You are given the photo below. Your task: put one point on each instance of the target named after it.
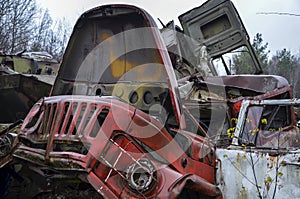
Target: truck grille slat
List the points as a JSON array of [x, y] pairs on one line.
[[63, 116]]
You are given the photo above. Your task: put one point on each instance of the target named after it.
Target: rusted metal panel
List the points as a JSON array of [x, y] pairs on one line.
[[21, 84], [18, 93], [258, 83], [218, 26], [135, 54], [112, 151], [251, 173], [262, 161]]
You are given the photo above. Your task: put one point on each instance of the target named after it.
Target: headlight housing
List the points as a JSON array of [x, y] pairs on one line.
[[141, 176]]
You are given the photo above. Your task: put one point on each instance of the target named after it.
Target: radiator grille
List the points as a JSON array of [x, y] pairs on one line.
[[69, 118]]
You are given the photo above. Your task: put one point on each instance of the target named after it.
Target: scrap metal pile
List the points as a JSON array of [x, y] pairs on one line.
[[25, 77], [141, 112]]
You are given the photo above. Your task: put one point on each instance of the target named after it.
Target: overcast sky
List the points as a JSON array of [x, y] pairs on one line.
[[280, 31]]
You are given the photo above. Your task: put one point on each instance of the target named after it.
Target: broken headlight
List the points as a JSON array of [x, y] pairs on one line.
[[141, 176]]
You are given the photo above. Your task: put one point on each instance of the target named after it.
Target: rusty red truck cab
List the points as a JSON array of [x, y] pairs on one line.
[[114, 125]]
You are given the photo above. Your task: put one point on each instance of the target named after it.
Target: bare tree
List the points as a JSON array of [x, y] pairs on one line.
[[41, 34], [17, 23], [24, 26], [58, 38], [51, 36], [5, 8]]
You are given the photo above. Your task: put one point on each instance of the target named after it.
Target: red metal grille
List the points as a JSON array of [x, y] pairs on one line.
[[72, 118]]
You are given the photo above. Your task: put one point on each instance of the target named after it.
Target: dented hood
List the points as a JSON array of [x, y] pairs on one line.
[[115, 44]]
